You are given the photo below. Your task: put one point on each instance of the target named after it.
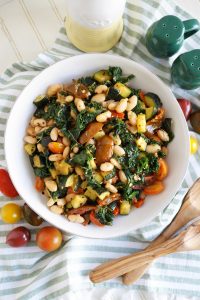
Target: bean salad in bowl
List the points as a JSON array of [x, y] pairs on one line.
[[98, 147]]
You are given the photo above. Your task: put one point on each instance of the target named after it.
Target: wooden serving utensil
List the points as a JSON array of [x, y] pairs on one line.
[[190, 209], [186, 240]]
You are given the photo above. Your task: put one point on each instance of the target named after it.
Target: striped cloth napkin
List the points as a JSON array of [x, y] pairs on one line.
[[28, 273]]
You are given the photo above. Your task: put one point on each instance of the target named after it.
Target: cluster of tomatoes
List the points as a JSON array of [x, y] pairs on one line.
[[194, 118], [48, 238]]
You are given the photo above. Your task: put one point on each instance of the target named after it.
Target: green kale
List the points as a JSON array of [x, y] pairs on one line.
[[119, 127], [62, 116], [89, 82], [167, 126], [41, 172], [139, 108], [113, 94], [79, 158], [161, 154], [131, 156], [110, 175], [128, 193], [116, 73], [104, 215], [147, 164], [44, 134]]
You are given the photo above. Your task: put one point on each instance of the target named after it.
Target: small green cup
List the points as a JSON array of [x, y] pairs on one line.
[[185, 70], [166, 36]]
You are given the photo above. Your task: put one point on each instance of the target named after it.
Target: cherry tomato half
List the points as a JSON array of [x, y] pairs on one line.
[[6, 185], [186, 107], [193, 145], [18, 237], [49, 238], [30, 216], [11, 213]]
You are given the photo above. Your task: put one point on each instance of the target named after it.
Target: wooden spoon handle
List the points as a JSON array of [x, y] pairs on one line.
[[186, 213], [125, 264]]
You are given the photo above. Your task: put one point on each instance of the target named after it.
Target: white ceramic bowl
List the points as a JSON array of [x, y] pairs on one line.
[[64, 71]]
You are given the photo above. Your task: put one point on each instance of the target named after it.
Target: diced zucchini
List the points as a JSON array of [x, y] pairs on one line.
[[37, 162], [69, 205], [62, 167], [53, 173], [71, 180], [152, 101], [78, 200], [102, 76], [90, 193], [40, 100], [150, 112], [84, 184], [30, 149], [104, 195], [124, 91], [92, 164], [141, 143], [125, 207], [141, 123], [98, 177]]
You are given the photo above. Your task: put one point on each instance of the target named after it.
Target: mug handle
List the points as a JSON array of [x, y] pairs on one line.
[[191, 27]]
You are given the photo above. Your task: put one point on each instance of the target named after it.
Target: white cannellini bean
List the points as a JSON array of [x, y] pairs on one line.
[[112, 105], [163, 135], [122, 105], [69, 197], [100, 89], [51, 185], [50, 202], [32, 120], [60, 133], [54, 134], [73, 114], [111, 188], [38, 129], [131, 128], [76, 219], [116, 138], [122, 176], [119, 151], [115, 163], [75, 149], [153, 148], [132, 117], [55, 157], [39, 122], [80, 105], [132, 102], [99, 98], [71, 155], [66, 152], [104, 116], [54, 89], [106, 167], [56, 209], [40, 147], [66, 141], [69, 98], [61, 201], [31, 131], [91, 142], [30, 140]]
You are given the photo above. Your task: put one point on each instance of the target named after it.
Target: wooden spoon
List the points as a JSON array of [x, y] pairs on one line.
[[186, 240], [189, 210]]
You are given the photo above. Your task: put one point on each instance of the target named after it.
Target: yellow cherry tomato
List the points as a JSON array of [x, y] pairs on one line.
[[11, 213], [193, 145]]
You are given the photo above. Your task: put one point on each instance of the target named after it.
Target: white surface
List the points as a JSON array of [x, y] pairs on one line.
[[76, 66], [29, 27], [94, 13]]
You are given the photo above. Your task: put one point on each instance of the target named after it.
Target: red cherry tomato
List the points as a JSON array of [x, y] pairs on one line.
[[18, 237], [71, 191], [94, 220], [117, 115], [116, 211], [186, 107], [6, 185], [49, 238], [138, 203]]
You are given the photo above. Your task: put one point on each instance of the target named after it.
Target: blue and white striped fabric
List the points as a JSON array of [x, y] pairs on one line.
[[28, 273]]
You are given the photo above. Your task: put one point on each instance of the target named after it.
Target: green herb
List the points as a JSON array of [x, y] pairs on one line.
[[104, 215], [116, 73]]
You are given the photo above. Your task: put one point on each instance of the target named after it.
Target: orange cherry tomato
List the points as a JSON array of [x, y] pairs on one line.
[[163, 169], [11, 213], [39, 184], [6, 185], [56, 148], [94, 220], [155, 188], [117, 115], [138, 203], [141, 95], [116, 211], [49, 238], [71, 191]]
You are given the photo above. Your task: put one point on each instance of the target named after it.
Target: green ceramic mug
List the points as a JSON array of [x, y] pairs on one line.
[[166, 36], [185, 70]]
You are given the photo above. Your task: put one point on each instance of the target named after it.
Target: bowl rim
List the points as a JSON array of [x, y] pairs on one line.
[[99, 234]]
